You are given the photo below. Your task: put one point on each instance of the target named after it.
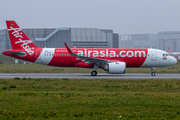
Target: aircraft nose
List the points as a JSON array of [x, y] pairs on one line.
[[173, 60]]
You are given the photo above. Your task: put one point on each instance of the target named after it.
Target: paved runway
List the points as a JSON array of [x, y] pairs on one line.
[[88, 76]]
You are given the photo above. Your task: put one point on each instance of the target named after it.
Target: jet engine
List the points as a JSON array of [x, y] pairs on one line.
[[115, 67]]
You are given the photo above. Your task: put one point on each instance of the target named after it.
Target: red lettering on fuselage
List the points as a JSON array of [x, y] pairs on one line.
[[132, 57]]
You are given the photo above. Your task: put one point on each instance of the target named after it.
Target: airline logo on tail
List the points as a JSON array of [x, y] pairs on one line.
[[170, 51], [18, 34]]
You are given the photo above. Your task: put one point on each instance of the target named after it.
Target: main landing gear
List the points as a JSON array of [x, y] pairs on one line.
[[152, 71], [94, 73]]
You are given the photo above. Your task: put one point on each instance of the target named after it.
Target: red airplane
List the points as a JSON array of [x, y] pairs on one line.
[[173, 53], [113, 60]]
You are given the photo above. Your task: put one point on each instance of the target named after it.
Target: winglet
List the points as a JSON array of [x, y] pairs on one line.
[[69, 50]]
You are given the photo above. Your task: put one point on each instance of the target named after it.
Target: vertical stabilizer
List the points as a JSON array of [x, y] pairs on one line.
[[19, 40], [170, 51]]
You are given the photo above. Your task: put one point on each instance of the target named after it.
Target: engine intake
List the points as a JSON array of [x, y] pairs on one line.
[[115, 67]]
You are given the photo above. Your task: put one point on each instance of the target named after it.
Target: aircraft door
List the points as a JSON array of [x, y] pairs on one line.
[[153, 55]]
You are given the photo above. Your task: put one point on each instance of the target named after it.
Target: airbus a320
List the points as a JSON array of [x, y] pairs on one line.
[[112, 60]]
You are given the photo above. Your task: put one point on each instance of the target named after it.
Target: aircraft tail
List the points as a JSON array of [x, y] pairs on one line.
[[170, 51], [19, 40]]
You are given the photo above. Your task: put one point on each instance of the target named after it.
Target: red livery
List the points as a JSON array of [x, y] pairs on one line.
[[113, 60]]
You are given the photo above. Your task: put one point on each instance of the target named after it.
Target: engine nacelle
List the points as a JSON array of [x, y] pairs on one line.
[[115, 67]]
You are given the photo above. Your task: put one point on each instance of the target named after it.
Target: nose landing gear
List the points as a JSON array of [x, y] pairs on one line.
[[152, 71]]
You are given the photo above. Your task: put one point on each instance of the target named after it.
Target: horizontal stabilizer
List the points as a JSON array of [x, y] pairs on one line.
[[21, 54]]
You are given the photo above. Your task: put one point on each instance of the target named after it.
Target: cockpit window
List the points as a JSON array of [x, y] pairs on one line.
[[165, 56]]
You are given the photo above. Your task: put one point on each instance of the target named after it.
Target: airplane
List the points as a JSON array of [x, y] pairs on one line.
[[173, 53], [112, 60]]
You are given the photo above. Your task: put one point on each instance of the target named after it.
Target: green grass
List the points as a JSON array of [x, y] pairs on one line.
[[36, 68], [66, 99]]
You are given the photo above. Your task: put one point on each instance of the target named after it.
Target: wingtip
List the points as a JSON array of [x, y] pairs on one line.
[[65, 44]]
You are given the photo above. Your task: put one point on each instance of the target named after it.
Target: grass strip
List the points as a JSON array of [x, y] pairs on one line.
[[89, 99]]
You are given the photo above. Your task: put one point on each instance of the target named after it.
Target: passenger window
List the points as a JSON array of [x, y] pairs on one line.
[[62, 54]]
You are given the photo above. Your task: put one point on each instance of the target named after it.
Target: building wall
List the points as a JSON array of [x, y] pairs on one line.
[[87, 34], [55, 39], [89, 44], [109, 37], [2, 40], [115, 40], [88, 38], [125, 41], [169, 39], [138, 41]]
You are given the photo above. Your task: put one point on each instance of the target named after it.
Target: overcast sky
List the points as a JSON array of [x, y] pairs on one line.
[[122, 16]]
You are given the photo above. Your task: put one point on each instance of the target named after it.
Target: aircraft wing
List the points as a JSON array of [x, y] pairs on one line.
[[90, 60], [174, 54]]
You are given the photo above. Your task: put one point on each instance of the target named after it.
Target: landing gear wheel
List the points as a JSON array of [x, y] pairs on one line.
[[93, 73], [153, 73]]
